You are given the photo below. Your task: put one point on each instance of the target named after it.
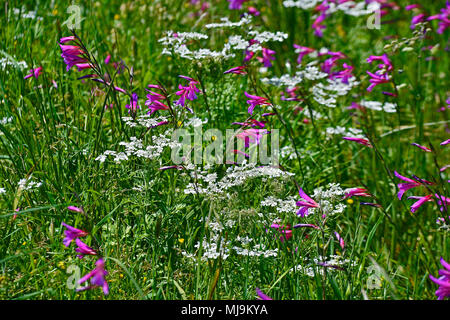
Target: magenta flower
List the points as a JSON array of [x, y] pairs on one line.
[[380, 76], [72, 233], [73, 55], [255, 101], [83, 249], [253, 11], [420, 202], [306, 204], [267, 57], [187, 92], [252, 136], [445, 142], [403, 187], [108, 59], [339, 238], [75, 209], [359, 192], [318, 26], [359, 140], [305, 225], [251, 123], [343, 74], [236, 4], [443, 281], [421, 147], [417, 19], [444, 22], [302, 51], [261, 295], [34, 73], [285, 231], [236, 70], [133, 106], [97, 277]]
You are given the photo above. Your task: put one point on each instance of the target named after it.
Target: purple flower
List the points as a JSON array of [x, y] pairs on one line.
[[302, 51], [236, 70], [443, 281], [255, 101], [236, 4], [251, 136], [34, 72], [403, 187], [444, 22], [420, 202], [267, 57], [306, 204], [97, 277], [75, 209], [421, 147], [133, 106], [381, 75], [318, 26], [339, 238], [417, 19], [262, 296], [83, 249], [286, 232], [73, 55], [72, 233], [306, 225], [187, 92], [445, 142], [359, 140], [359, 192]]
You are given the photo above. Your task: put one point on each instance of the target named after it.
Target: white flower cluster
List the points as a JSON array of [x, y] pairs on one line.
[[5, 62], [347, 132], [226, 23], [144, 121], [234, 176], [378, 106], [256, 251], [327, 94], [350, 7], [329, 199], [26, 15], [196, 122], [2, 190], [287, 205], [135, 147], [314, 268], [284, 80], [441, 222], [6, 120], [288, 152], [28, 184]]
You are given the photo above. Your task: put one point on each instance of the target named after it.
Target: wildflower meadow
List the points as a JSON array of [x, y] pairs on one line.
[[224, 150]]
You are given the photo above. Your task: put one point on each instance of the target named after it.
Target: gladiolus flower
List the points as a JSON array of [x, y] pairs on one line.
[[255, 101], [359, 192], [302, 51], [236, 70], [75, 209], [305, 225], [262, 296], [443, 281], [83, 249], [359, 140], [421, 147], [72, 233], [133, 106], [306, 204], [445, 142], [267, 57], [421, 201], [97, 277], [73, 55], [187, 92], [284, 230], [236, 4], [339, 238], [444, 22], [34, 72], [403, 187], [251, 136]]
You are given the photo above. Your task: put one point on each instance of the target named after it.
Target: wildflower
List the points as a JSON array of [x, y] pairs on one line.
[[339, 238], [73, 55], [255, 101], [34, 72], [306, 225], [72, 233], [375, 205], [267, 57], [84, 249], [253, 11], [403, 187], [97, 277], [445, 142], [75, 209], [359, 140], [262, 296], [108, 59], [318, 26], [444, 22], [251, 123], [236, 70], [187, 92], [417, 19], [421, 147], [420, 202], [236, 4], [343, 74], [359, 192], [381, 75], [284, 230], [251, 136], [443, 281], [302, 51], [306, 204], [133, 106]]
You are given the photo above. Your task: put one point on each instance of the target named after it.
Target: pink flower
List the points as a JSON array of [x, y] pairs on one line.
[[306, 204], [302, 51], [284, 230], [236, 4], [443, 281], [262, 296], [403, 187], [421, 147], [255, 101], [133, 106], [359, 140], [75, 209], [72, 233], [97, 277], [267, 57], [420, 202], [251, 136], [34, 72], [359, 192], [84, 249], [339, 238], [236, 70], [445, 142], [187, 92]]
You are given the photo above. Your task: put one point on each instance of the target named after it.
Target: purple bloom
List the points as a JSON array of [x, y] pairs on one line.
[[306, 225], [133, 106], [306, 204], [187, 92], [236, 4], [359, 192], [285, 231], [381, 75], [73, 55], [318, 26], [236, 70], [107, 59], [255, 101], [72, 233], [445, 142], [421, 147], [443, 281], [302, 51], [417, 19], [267, 57], [403, 187], [83, 249], [444, 22], [34, 72], [262, 296], [75, 209], [359, 140], [97, 277], [251, 136], [420, 202], [339, 238]]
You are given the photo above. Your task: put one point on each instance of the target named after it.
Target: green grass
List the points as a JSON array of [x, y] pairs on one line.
[[137, 214]]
